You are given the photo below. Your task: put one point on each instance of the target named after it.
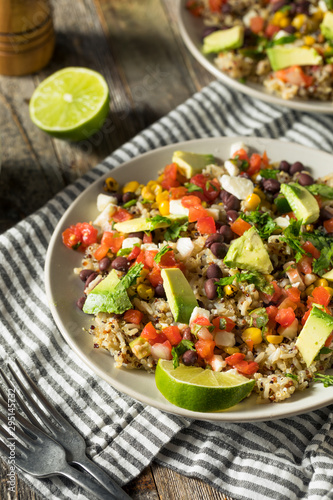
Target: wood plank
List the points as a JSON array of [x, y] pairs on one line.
[[143, 487]]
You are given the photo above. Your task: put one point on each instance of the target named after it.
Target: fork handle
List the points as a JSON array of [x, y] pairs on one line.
[[88, 483], [103, 478]]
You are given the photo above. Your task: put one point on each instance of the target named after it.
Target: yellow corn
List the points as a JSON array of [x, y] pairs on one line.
[[142, 276], [329, 289], [285, 21], [298, 21], [160, 178], [321, 282], [151, 184], [318, 15], [230, 291], [131, 187], [309, 228], [164, 207], [277, 18], [145, 292], [147, 194], [260, 193], [164, 195], [254, 176], [274, 339], [110, 184], [266, 204], [252, 202], [253, 334], [309, 40], [309, 290], [231, 350], [269, 277]]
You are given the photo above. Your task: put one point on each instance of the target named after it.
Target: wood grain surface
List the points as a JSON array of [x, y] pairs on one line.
[[136, 45]]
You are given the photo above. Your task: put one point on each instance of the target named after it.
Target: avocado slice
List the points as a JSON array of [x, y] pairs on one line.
[[248, 252], [302, 202], [179, 294], [281, 56], [144, 224], [326, 26], [329, 275], [191, 163], [316, 330], [231, 38]]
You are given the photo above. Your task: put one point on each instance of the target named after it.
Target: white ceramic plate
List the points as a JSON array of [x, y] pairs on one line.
[[191, 31], [64, 288]]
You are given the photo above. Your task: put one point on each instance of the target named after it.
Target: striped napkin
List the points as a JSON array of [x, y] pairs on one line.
[[285, 460]]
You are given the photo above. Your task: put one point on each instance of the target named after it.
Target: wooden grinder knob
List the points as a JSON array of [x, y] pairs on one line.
[[26, 36]]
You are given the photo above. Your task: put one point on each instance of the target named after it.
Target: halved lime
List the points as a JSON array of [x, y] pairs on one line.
[[70, 104], [196, 389]]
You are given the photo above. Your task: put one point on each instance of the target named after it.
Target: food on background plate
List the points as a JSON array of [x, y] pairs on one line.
[[285, 45], [216, 276]]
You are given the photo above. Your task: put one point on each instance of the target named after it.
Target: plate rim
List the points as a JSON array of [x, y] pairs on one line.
[[167, 407], [298, 105]]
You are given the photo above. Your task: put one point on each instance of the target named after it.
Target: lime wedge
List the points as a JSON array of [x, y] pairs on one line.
[[71, 104], [201, 390]]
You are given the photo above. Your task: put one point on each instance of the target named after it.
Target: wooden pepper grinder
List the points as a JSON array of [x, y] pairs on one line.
[[26, 36]]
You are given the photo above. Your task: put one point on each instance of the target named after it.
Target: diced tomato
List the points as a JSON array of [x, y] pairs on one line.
[[240, 226], [234, 358], [247, 367], [205, 348], [206, 225], [191, 201], [285, 317], [121, 215], [133, 316], [141, 258], [241, 154], [88, 233], [147, 238], [202, 321], [155, 277], [230, 325], [71, 237], [310, 248], [101, 252], [210, 187], [321, 296], [319, 200], [271, 29], [196, 8], [215, 5], [306, 315], [265, 159], [149, 332], [168, 260], [135, 252], [113, 240], [272, 312], [255, 164], [178, 192], [305, 264], [294, 75], [170, 176], [257, 24], [329, 340], [149, 258], [196, 213], [328, 225], [81, 235], [294, 294], [173, 335]]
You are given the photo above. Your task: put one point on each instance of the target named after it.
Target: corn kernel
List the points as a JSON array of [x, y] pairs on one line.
[[276, 19], [318, 15], [274, 339], [231, 350], [252, 202], [298, 21], [160, 178], [255, 176], [269, 277], [230, 291], [321, 282], [131, 187], [309, 40], [164, 195], [151, 184], [285, 21], [329, 289], [253, 334], [309, 228], [260, 193], [147, 194], [110, 184], [145, 292], [142, 276], [164, 207], [309, 290], [156, 190]]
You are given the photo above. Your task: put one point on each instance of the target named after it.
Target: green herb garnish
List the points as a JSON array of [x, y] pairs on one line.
[[257, 279], [174, 230], [124, 251], [263, 222], [157, 220], [269, 173], [183, 346], [291, 235], [192, 187], [291, 375], [130, 203], [321, 189], [327, 380], [162, 252]]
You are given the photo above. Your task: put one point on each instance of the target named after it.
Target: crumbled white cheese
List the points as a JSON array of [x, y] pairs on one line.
[[225, 339], [231, 168], [236, 146], [130, 242], [103, 201], [238, 186], [176, 208]]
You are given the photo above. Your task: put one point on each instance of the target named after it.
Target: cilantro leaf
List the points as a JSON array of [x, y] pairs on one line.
[[131, 276], [157, 220], [124, 251], [269, 173], [160, 254], [260, 317], [174, 230], [177, 351], [253, 277], [192, 187], [321, 189], [291, 375], [130, 203], [291, 235], [327, 380], [324, 243], [263, 222]]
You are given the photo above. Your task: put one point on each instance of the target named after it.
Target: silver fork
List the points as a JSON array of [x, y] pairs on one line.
[[59, 429], [39, 455]]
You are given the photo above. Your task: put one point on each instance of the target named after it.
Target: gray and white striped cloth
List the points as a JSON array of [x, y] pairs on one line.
[[285, 460]]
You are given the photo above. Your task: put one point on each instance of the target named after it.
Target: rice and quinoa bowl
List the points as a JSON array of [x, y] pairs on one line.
[[267, 27], [245, 320]]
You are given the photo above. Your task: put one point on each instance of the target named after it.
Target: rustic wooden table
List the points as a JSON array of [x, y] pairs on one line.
[[136, 45]]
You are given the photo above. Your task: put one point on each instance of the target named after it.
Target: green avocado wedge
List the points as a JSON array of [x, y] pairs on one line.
[[302, 202]]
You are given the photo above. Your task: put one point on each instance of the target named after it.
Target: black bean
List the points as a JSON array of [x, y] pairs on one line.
[[326, 213], [91, 278], [290, 29], [104, 264], [303, 7], [227, 233], [232, 215], [80, 302], [119, 196], [305, 179], [214, 271], [159, 291], [278, 5], [120, 264], [245, 175], [271, 185], [284, 166], [296, 167], [128, 197], [187, 335], [230, 201], [219, 250], [214, 238], [139, 234], [211, 289], [190, 358], [85, 273]]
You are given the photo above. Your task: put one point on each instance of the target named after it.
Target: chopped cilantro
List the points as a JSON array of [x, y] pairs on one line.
[[257, 279], [291, 375], [209, 185], [263, 222], [269, 173], [130, 203], [260, 317], [291, 235], [160, 254], [183, 346], [174, 230], [222, 324], [192, 187], [157, 220], [124, 251], [284, 39], [327, 380], [144, 201], [77, 245], [321, 189], [324, 243]]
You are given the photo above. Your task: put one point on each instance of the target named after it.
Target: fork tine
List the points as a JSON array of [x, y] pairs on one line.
[[18, 398]]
